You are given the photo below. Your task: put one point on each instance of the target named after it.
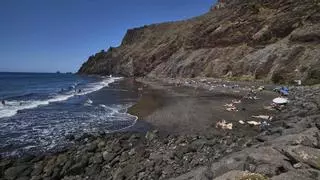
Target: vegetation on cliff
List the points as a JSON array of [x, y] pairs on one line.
[[270, 40]]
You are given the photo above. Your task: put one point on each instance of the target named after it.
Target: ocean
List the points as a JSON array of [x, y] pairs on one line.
[[38, 110]]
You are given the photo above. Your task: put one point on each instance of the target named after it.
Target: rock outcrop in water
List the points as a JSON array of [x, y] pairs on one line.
[[276, 40]]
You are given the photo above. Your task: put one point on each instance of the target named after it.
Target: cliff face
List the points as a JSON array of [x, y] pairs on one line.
[[276, 40]]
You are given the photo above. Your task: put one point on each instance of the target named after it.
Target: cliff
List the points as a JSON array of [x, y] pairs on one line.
[[277, 40]]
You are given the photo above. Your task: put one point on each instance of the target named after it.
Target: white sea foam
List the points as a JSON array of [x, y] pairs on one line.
[[88, 102], [12, 107], [119, 113], [44, 136]]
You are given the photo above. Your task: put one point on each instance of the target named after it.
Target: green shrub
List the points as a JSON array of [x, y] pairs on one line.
[[253, 176], [313, 77], [241, 78], [277, 78]]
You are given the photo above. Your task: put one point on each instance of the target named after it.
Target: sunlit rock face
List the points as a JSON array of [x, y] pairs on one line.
[[271, 40]]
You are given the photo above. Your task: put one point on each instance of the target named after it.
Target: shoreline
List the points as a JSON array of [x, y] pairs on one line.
[[197, 105], [162, 155]]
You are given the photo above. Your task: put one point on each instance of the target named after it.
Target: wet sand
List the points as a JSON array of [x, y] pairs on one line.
[[195, 110], [175, 150]]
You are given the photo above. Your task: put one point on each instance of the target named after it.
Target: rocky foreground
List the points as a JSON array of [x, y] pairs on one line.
[[290, 149]]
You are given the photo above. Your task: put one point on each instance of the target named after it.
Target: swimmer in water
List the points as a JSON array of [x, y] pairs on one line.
[[3, 102]]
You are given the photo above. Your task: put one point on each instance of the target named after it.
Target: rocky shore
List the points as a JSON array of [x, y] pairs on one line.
[[125, 156], [270, 40], [289, 149]]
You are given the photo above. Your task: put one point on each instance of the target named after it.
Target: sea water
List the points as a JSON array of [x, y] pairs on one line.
[[38, 110]]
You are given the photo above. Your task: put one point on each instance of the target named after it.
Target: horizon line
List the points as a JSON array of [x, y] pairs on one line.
[[37, 72]]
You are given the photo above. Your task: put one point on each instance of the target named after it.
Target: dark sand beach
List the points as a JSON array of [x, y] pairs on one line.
[[196, 110], [195, 90], [176, 137]]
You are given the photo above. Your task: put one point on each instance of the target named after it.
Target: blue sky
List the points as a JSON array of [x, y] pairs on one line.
[[51, 35]]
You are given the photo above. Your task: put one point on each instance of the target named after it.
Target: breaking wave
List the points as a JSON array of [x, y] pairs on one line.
[[12, 107]]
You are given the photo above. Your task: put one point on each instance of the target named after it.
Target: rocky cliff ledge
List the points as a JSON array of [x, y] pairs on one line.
[[276, 40]]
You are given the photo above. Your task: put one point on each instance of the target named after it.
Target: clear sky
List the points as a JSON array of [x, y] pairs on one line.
[[52, 35]]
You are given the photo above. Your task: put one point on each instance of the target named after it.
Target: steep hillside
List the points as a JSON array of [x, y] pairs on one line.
[[276, 40]]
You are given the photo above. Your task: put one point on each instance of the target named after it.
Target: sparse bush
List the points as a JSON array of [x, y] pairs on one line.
[[277, 78], [313, 77], [242, 78], [254, 176]]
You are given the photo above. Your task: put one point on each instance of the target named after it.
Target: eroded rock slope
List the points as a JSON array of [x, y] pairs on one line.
[[277, 40]]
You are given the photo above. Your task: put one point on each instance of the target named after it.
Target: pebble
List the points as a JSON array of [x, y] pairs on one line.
[[150, 156]]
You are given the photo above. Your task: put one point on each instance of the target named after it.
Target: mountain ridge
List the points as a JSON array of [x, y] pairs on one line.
[[273, 40]]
